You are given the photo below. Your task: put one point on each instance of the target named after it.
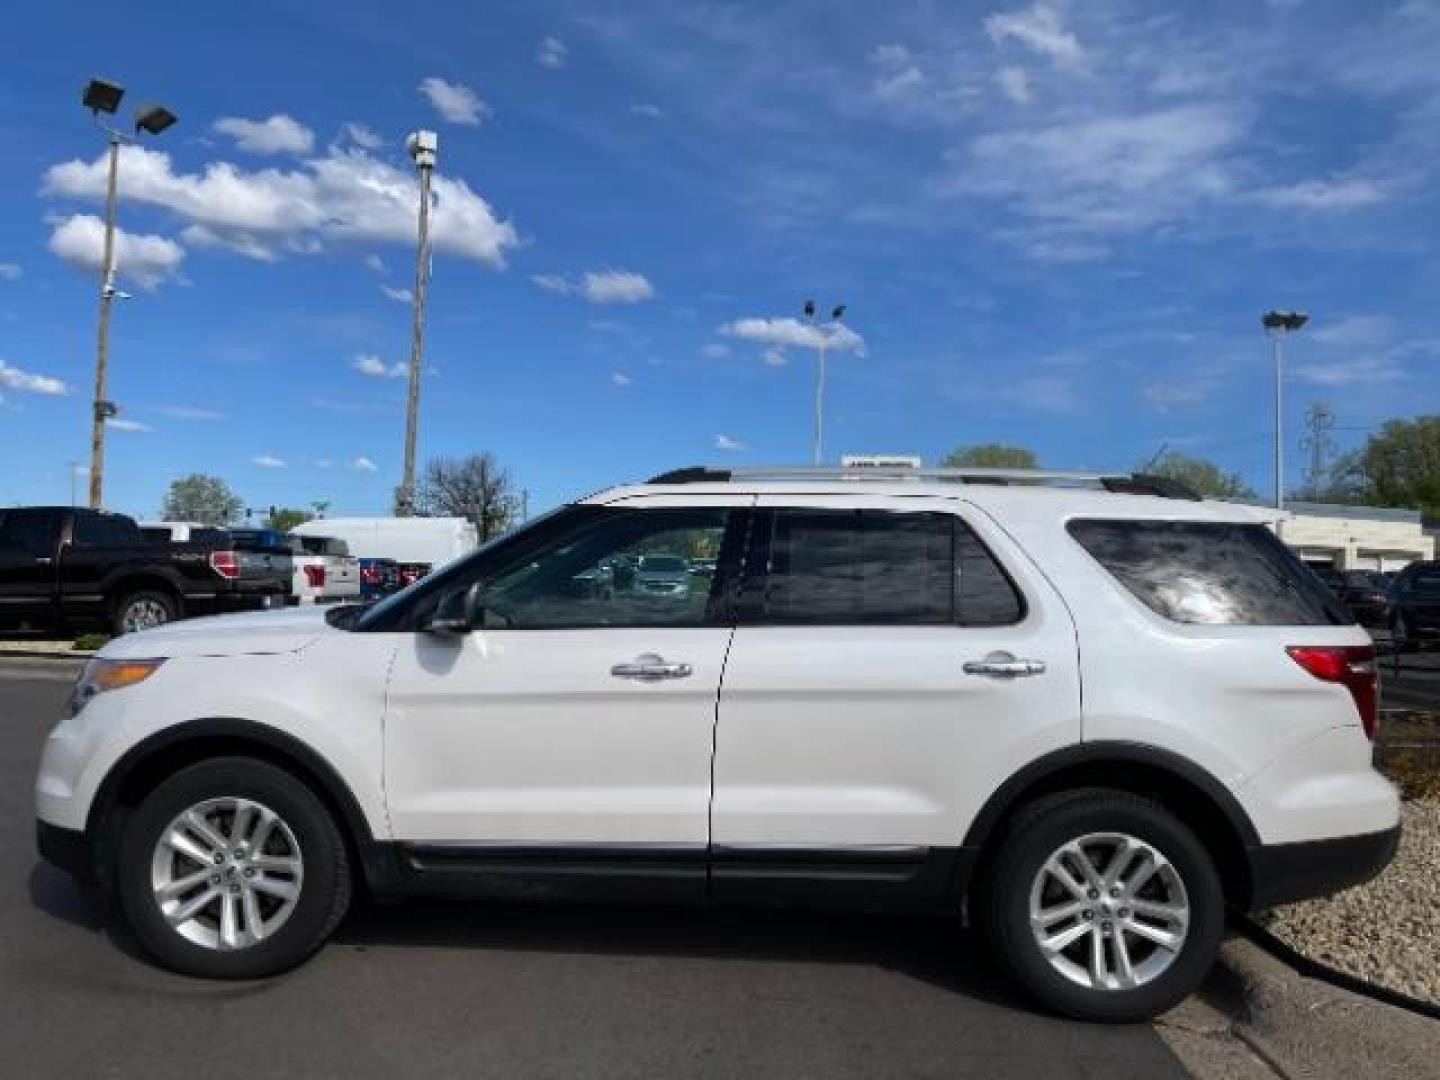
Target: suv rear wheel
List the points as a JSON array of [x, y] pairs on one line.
[[1104, 905], [232, 868]]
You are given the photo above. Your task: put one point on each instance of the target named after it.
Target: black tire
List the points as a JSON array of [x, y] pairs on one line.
[[1040, 829], [164, 607], [324, 893]]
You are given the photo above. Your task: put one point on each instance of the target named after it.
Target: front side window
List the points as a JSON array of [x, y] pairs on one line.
[[620, 567], [875, 568], [1210, 572]]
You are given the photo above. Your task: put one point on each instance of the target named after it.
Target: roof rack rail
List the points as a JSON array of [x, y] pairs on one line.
[[1119, 483]]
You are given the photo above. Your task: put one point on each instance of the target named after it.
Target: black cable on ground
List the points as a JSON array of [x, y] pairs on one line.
[[1314, 969]]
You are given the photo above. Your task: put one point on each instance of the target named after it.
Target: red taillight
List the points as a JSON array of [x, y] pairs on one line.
[[315, 577], [370, 575], [1353, 667], [225, 563]]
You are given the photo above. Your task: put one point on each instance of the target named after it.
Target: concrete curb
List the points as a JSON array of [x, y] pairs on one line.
[[1302, 1027], [43, 654]]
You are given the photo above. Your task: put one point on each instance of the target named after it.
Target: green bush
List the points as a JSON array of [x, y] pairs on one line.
[[89, 642]]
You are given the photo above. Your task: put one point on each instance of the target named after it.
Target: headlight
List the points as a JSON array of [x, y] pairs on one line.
[[102, 675]]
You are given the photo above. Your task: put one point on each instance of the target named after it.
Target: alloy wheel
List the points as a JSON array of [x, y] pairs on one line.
[[1108, 911], [227, 873]]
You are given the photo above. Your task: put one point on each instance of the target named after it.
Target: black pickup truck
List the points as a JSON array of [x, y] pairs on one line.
[[61, 566]]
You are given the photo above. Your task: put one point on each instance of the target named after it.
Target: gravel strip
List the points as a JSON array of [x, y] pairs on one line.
[[1388, 930], [62, 647]]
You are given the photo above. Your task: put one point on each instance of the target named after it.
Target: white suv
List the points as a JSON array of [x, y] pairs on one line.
[[1085, 712]]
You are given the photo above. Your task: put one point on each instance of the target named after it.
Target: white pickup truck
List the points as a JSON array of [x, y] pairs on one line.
[[325, 571]]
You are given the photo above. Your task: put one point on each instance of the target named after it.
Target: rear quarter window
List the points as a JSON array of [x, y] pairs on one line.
[[1210, 573]]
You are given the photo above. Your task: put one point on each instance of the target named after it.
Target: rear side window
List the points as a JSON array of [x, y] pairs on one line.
[[1211, 573], [873, 567], [1426, 583], [105, 530], [31, 531]]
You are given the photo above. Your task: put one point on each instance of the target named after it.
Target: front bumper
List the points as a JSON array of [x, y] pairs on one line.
[[1285, 873]]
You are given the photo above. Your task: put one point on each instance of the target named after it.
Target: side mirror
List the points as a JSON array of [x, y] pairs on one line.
[[458, 612]]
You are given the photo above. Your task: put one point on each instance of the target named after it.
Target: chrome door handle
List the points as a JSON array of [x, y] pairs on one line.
[[1002, 665], [651, 667]]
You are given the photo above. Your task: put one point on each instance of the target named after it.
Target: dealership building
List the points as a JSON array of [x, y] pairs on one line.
[[1355, 537]]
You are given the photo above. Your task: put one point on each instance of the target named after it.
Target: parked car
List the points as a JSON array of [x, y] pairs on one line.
[[63, 567], [876, 701], [662, 573], [378, 578], [416, 545], [1363, 592], [325, 571], [1414, 606]]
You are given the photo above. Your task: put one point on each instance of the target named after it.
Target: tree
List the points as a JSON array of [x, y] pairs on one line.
[[203, 498], [474, 487], [990, 456], [1203, 477], [285, 518], [1400, 465]]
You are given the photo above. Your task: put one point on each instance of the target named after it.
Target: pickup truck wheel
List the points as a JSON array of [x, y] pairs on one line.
[[1104, 905], [145, 609], [232, 869]]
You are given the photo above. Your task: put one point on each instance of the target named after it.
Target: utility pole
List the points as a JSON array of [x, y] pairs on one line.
[[1277, 324], [822, 330], [1319, 419], [422, 146], [102, 96], [102, 409]]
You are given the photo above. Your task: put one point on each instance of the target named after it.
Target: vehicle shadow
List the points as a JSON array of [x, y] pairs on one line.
[[937, 950]]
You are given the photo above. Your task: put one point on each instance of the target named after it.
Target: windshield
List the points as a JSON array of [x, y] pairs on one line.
[[663, 564]]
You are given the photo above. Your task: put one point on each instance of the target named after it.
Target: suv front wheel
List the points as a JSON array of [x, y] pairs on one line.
[[1103, 905], [232, 868]]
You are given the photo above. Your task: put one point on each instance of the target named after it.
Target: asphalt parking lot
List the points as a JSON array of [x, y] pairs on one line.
[[429, 989]]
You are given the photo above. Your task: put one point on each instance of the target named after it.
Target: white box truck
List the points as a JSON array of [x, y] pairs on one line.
[[416, 544]]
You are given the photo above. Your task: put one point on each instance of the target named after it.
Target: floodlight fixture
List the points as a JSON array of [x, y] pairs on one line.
[[153, 118], [101, 95]]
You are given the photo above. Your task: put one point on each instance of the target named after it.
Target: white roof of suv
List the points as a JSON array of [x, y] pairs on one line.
[[1023, 492]]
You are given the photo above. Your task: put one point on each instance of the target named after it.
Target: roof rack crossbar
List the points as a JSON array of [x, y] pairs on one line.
[[1118, 482]]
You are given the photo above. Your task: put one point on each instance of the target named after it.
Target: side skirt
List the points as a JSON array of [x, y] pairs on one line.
[[872, 877]]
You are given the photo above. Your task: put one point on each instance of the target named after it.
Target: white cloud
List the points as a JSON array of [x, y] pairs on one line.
[[280, 134], [1356, 331], [1119, 172], [890, 56], [728, 443], [188, 412], [404, 296], [1323, 194], [552, 283], [792, 332], [1038, 27], [374, 262], [363, 464], [551, 53], [363, 136], [619, 378], [371, 365], [454, 101], [144, 259], [324, 463], [600, 286], [12, 378], [119, 423], [1165, 396], [346, 195], [1015, 84], [715, 350], [900, 84], [9, 271], [648, 110], [1365, 370], [775, 356], [615, 287], [268, 461]]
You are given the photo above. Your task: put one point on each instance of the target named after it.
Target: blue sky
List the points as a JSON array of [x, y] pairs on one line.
[[1055, 224]]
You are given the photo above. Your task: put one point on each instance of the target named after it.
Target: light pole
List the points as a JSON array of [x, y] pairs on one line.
[[822, 330], [99, 97], [422, 146], [1277, 324]]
